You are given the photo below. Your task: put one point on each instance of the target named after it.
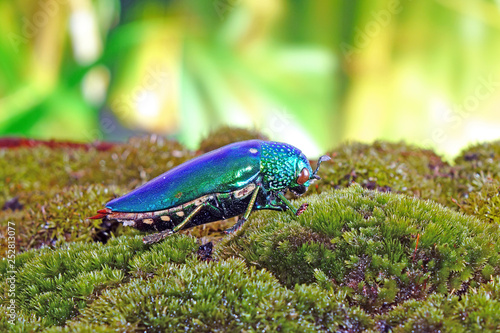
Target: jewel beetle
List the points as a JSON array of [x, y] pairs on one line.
[[230, 181]]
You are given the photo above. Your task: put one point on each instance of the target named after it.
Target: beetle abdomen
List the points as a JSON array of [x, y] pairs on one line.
[[217, 206]]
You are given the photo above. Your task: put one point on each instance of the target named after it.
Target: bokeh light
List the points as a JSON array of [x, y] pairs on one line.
[[308, 73]]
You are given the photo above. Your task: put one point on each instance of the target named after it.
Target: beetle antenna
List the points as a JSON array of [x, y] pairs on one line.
[[321, 159]]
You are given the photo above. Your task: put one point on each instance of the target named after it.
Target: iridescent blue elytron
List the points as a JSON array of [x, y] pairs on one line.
[[230, 181]]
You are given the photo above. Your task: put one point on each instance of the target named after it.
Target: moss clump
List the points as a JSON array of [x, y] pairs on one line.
[[483, 159], [127, 286], [349, 263], [225, 135], [25, 170], [397, 167], [484, 203], [479, 174], [60, 188], [58, 216], [389, 167], [223, 296], [53, 286], [476, 311], [364, 242]]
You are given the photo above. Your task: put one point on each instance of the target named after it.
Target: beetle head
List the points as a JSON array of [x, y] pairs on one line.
[[305, 175], [284, 166]]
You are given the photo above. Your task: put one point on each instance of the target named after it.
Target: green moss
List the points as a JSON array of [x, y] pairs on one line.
[[364, 241], [21, 323], [482, 159], [484, 203], [479, 172], [60, 188], [41, 168], [224, 296], [477, 311], [470, 185], [389, 167], [82, 329], [101, 291], [59, 216], [54, 285], [349, 263]]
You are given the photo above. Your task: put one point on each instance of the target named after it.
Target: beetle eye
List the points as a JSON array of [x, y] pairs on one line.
[[303, 177]]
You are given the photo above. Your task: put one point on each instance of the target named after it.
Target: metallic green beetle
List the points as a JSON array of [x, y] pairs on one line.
[[230, 181]]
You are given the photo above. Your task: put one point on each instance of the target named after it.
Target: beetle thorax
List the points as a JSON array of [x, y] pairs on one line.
[[278, 163]]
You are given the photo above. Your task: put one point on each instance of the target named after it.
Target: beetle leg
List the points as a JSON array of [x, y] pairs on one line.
[[155, 238], [295, 211], [245, 216]]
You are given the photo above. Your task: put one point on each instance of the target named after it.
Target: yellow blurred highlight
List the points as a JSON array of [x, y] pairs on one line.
[[86, 42], [146, 95], [95, 85]]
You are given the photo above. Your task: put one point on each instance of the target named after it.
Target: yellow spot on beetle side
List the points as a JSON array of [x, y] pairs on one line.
[[165, 218], [148, 221], [180, 214]]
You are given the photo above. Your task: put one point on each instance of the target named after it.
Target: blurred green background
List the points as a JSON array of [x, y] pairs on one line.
[[311, 73]]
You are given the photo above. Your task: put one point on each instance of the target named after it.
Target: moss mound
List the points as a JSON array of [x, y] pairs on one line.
[[365, 242], [59, 216], [484, 203], [390, 167], [127, 286], [471, 185], [476, 311], [41, 168], [350, 263], [483, 159], [223, 296], [52, 286], [57, 189]]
